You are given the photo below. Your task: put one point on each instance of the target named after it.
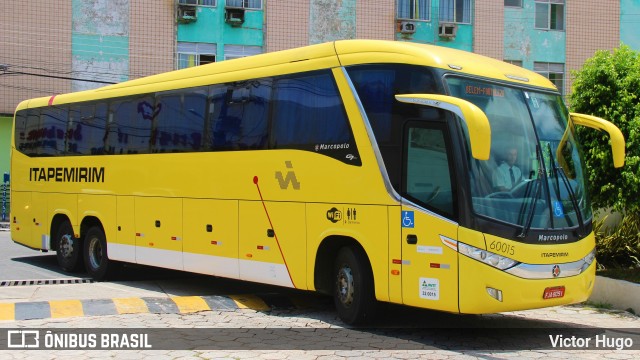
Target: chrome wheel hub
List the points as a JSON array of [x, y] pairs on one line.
[[65, 247], [345, 285]]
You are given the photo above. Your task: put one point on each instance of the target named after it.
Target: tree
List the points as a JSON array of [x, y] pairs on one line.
[[608, 86]]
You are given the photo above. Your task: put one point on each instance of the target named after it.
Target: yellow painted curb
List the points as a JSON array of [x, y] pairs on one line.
[[189, 304], [65, 308], [248, 301], [7, 311], [130, 306]]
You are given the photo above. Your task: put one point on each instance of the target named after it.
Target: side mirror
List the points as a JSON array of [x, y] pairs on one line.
[[617, 139], [476, 119]]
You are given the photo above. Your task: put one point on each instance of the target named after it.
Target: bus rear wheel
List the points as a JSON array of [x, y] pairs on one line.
[[69, 249], [96, 260], [353, 293]]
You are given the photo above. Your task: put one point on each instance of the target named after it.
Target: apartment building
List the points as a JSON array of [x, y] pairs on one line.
[[51, 47]]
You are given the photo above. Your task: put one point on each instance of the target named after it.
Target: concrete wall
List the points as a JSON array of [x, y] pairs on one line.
[[99, 42], [488, 38], [152, 37], [590, 27], [35, 37]]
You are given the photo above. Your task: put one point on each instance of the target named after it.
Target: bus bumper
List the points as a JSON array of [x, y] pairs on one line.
[[516, 293]]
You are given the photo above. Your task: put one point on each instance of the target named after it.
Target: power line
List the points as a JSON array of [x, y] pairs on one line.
[[56, 77]]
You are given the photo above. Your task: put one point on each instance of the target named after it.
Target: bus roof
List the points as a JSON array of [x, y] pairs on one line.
[[308, 58]]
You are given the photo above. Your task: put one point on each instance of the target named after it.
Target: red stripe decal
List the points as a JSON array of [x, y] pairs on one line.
[[255, 181], [51, 100]]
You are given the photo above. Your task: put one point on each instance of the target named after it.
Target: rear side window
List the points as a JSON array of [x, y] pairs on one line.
[[308, 114]]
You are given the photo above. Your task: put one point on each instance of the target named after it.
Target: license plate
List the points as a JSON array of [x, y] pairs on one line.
[[553, 292]]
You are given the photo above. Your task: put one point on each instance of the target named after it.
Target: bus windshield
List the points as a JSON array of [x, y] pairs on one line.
[[534, 178]]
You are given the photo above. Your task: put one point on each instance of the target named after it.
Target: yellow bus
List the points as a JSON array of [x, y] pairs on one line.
[[370, 170]]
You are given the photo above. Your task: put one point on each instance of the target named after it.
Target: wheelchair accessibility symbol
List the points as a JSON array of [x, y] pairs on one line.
[[558, 210], [407, 219]]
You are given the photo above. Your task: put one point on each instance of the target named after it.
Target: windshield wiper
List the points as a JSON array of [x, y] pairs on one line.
[[558, 170], [534, 202], [572, 196]]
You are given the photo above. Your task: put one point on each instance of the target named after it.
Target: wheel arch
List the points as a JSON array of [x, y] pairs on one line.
[[325, 258], [87, 223], [57, 220]]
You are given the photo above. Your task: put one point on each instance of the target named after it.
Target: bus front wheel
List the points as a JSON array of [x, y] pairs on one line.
[[95, 254], [69, 249], [353, 293]]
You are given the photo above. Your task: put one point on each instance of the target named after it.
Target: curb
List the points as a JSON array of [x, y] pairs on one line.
[[136, 305], [622, 295]]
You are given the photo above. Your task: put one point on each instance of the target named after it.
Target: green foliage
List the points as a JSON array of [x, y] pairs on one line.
[[618, 247], [608, 86]]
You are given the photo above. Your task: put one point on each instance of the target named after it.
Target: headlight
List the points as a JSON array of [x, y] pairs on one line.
[[487, 257], [588, 260], [590, 257]]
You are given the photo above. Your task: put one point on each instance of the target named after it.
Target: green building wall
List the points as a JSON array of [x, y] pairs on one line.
[[524, 43], [629, 20], [427, 32], [210, 27], [5, 144]]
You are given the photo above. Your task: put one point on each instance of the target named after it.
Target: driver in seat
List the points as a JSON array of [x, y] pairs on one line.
[[507, 175]]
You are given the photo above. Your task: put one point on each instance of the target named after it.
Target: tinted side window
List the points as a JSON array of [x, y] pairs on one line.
[[377, 86], [180, 120], [308, 114], [86, 129], [130, 128], [241, 112], [51, 134]]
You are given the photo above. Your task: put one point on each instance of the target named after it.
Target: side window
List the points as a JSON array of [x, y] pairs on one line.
[[241, 110], [308, 114], [180, 120], [20, 131], [377, 86], [427, 178], [86, 129], [52, 133], [130, 125]]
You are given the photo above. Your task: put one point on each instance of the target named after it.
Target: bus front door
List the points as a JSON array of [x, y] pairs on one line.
[[429, 266]]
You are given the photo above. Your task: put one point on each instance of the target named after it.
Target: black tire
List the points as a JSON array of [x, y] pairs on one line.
[[69, 249], [353, 293], [96, 260]]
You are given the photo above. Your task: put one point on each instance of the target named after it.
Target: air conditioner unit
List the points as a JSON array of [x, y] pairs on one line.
[[407, 27], [234, 16], [186, 14], [447, 30]]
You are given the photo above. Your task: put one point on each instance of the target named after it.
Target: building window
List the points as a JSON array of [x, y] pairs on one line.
[[245, 4], [456, 11], [198, 2], [550, 14], [239, 51], [552, 71], [194, 54], [513, 3], [414, 9], [514, 62]]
